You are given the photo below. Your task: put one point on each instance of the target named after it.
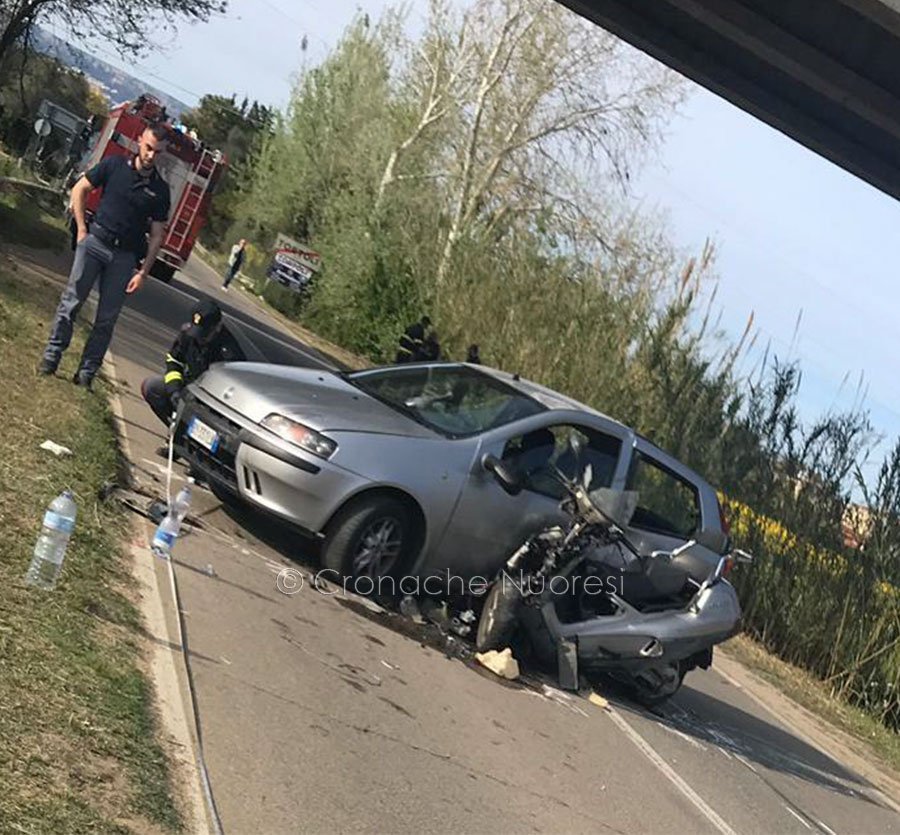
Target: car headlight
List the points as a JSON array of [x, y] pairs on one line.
[[300, 435]]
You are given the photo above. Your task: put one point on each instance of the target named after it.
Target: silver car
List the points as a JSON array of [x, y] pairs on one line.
[[385, 465]]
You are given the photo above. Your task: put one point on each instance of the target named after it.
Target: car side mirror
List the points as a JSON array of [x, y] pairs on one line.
[[502, 475]]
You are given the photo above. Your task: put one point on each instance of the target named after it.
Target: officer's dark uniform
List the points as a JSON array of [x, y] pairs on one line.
[[109, 255], [201, 342]]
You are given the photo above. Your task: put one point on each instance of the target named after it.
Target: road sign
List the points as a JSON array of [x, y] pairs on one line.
[[42, 127]]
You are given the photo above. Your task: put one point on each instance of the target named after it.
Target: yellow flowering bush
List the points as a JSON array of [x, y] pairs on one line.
[[821, 610]]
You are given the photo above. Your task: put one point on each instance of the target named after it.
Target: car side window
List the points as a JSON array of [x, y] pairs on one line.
[[667, 503], [533, 454]]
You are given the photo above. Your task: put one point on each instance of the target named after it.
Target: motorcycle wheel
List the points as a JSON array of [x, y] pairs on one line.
[[657, 685], [499, 617]]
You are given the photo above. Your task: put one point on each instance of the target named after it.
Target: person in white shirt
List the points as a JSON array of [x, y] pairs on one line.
[[235, 262]]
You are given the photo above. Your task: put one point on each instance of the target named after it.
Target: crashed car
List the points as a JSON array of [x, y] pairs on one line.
[[386, 466]]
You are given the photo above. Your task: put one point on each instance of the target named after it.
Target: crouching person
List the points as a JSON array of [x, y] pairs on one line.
[[200, 343]]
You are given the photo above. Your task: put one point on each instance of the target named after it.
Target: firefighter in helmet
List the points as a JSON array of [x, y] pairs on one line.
[[203, 340]]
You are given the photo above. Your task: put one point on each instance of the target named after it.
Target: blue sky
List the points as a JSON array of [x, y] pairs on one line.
[[794, 232]]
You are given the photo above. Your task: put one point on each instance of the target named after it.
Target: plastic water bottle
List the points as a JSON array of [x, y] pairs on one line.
[[50, 548], [168, 530]]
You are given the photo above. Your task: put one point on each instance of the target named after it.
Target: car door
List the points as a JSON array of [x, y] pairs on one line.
[[668, 509], [488, 524]]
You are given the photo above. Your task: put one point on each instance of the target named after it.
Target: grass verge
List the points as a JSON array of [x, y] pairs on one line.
[[25, 219], [78, 748], [814, 696]]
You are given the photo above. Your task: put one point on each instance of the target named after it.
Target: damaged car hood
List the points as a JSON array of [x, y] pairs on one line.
[[319, 399]]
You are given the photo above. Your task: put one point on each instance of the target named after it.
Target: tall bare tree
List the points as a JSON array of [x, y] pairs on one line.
[[541, 102]]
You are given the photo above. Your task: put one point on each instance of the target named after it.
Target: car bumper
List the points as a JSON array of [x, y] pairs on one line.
[[261, 469]]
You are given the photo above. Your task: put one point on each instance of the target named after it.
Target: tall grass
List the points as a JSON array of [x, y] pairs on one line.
[[604, 311]]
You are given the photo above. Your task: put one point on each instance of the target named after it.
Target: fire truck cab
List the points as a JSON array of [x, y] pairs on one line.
[[191, 170]]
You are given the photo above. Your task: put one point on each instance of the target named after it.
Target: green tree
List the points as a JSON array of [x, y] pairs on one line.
[[236, 130], [42, 77], [114, 20]]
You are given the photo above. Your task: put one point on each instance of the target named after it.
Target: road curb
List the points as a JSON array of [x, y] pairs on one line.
[[169, 687]]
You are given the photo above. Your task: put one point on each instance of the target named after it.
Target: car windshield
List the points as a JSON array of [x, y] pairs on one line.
[[457, 401]]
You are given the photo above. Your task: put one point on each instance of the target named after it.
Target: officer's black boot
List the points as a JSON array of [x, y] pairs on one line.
[[82, 378]]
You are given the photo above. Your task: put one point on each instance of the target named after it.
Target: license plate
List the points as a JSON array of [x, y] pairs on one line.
[[204, 435]]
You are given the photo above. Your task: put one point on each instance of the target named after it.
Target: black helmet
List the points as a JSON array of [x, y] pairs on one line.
[[205, 316]]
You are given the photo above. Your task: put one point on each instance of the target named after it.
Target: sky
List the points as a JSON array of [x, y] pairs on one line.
[[795, 234]]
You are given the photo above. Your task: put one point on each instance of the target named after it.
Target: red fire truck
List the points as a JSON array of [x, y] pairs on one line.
[[191, 170]]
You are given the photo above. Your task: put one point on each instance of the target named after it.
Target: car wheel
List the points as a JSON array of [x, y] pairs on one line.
[[499, 617], [371, 537], [655, 686]]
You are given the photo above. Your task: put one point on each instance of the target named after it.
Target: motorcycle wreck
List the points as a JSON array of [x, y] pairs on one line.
[[582, 598]]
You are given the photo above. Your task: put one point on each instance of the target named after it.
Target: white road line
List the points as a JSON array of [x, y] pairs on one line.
[[799, 818], [670, 774], [243, 324], [828, 830], [689, 739], [747, 763]]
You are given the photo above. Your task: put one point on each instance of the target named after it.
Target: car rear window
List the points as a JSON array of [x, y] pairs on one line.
[[457, 401], [667, 503]]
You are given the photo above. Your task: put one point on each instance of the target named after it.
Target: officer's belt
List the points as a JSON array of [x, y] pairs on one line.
[[104, 235]]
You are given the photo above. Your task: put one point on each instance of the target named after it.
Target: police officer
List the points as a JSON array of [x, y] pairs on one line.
[[135, 199], [202, 341]]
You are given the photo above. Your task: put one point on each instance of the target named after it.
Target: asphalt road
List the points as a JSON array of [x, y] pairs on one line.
[[322, 716]]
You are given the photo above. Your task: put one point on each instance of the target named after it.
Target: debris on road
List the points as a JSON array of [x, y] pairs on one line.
[[456, 649], [552, 694], [459, 627], [435, 612], [55, 448], [157, 511], [500, 663], [598, 700], [409, 608]]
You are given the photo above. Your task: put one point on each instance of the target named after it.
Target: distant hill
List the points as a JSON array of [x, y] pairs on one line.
[[118, 86]]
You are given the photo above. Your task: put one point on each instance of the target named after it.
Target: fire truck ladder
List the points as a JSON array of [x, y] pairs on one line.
[[193, 197]]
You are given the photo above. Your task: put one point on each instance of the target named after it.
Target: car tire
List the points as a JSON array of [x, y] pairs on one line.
[[655, 687], [499, 617], [355, 529]]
